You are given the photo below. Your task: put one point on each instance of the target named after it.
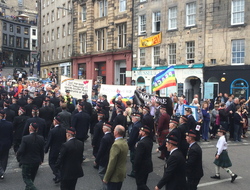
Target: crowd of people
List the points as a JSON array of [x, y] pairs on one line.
[[37, 119]]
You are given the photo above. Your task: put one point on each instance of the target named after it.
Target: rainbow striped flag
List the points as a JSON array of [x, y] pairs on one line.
[[164, 79]]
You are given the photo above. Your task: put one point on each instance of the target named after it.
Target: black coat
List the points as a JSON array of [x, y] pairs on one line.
[[22, 102], [6, 135], [133, 136], [65, 118], [102, 157], [31, 150], [143, 156], [98, 134], [55, 101], [183, 128], [15, 108], [29, 108], [70, 159], [191, 123], [41, 126], [88, 107], [174, 177], [38, 101], [149, 121], [10, 114], [194, 168], [80, 122], [56, 137], [18, 126], [120, 119]]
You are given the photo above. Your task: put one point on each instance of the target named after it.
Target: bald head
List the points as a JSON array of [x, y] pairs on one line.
[[119, 131]]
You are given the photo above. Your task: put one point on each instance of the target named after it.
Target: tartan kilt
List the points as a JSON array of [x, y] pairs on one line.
[[162, 136], [224, 160]]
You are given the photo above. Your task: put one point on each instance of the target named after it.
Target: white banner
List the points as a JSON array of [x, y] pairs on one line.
[[77, 87], [111, 91]]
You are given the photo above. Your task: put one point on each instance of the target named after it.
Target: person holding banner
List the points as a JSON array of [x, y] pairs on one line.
[[163, 129]]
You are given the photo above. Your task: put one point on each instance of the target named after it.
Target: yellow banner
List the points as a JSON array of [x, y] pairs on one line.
[[151, 41]]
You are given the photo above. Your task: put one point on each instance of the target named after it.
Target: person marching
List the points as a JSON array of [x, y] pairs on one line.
[[6, 139], [222, 159], [143, 164], [31, 155], [174, 174], [70, 161], [194, 170], [102, 157], [56, 137], [18, 126], [116, 169], [133, 138]]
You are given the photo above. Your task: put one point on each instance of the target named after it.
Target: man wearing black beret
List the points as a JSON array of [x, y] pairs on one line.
[[31, 155], [56, 137], [143, 158], [174, 174], [194, 170]]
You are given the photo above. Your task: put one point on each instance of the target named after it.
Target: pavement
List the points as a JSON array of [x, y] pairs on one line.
[[239, 154]]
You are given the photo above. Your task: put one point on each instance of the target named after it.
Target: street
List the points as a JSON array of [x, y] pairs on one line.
[[239, 154]]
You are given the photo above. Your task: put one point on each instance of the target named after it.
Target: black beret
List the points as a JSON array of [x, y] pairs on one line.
[[172, 139], [71, 130], [146, 129], [191, 133], [58, 118], [175, 121]]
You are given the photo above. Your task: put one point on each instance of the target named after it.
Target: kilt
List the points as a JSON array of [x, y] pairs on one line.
[[224, 160], [162, 136]]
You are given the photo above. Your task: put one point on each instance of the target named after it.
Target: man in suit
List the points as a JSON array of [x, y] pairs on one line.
[[70, 161], [133, 138], [18, 125], [143, 158], [98, 134], [35, 119], [120, 119], [29, 106], [14, 106], [6, 138], [80, 122], [174, 177], [116, 170], [183, 128], [105, 106], [102, 157], [65, 116], [46, 112], [31, 155], [191, 123], [194, 170], [147, 119], [10, 114], [56, 137]]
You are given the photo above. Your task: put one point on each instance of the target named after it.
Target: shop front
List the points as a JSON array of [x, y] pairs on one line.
[[229, 79], [189, 80], [107, 68]]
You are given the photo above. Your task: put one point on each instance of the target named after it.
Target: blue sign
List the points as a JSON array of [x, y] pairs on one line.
[[208, 90]]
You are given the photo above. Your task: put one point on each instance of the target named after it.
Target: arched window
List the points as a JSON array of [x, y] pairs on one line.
[[240, 88]]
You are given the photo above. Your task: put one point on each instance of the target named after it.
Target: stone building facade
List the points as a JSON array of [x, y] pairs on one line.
[[200, 38], [56, 34], [180, 24], [227, 61], [103, 41], [18, 20]]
